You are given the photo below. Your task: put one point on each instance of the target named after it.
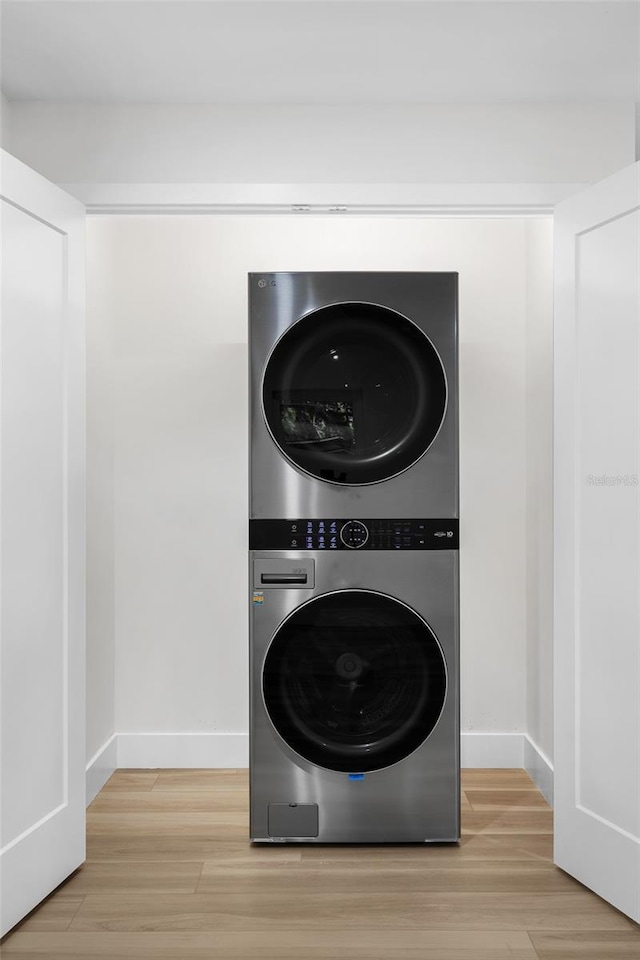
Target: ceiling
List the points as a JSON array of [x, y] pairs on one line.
[[319, 52]]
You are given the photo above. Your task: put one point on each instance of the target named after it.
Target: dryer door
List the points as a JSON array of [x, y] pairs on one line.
[[354, 681], [354, 393]]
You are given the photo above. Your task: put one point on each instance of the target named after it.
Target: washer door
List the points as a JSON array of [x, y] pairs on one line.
[[354, 681], [354, 393]]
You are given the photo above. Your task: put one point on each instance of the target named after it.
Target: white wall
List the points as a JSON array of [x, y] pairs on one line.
[[167, 327], [100, 516], [155, 143], [4, 122], [539, 484]]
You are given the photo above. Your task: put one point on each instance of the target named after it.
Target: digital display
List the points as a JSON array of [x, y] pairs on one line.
[[321, 423]]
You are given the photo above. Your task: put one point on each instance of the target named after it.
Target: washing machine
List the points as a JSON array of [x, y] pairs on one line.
[[354, 712], [353, 395]]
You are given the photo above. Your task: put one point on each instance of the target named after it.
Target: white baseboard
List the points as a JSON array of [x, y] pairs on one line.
[[102, 764], [491, 750], [153, 750], [161, 750], [539, 768], [185, 750]]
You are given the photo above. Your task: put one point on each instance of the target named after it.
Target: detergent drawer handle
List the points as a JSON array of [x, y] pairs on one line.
[[283, 578]]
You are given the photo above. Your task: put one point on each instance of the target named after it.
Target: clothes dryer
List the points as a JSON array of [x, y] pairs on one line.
[[353, 394]]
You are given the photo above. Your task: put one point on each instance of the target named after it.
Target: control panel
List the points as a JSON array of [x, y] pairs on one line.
[[331, 534]]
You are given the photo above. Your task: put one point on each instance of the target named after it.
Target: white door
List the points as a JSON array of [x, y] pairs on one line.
[[597, 538], [42, 518]]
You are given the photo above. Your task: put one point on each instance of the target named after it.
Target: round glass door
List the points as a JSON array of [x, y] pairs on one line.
[[354, 393], [354, 681]]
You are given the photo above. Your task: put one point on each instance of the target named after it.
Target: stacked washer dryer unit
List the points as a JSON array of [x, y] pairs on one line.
[[354, 729]]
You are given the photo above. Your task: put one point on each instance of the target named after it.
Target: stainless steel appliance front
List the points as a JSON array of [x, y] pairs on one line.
[[343, 646], [353, 394]]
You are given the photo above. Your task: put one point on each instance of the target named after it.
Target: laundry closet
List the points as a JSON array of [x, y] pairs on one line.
[[165, 152], [168, 465]]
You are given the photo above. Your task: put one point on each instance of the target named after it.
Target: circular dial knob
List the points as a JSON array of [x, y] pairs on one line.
[[354, 534]]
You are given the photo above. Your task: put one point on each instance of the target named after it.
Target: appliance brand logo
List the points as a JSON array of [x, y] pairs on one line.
[[264, 283]]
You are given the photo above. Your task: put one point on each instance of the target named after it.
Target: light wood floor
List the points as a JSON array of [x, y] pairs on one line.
[[170, 876]]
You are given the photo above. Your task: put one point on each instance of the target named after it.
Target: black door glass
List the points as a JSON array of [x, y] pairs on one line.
[[314, 422], [354, 681], [354, 393]]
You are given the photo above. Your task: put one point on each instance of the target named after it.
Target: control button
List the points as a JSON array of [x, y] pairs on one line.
[[354, 534]]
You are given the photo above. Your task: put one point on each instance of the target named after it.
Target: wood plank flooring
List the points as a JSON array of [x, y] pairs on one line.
[[170, 876]]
